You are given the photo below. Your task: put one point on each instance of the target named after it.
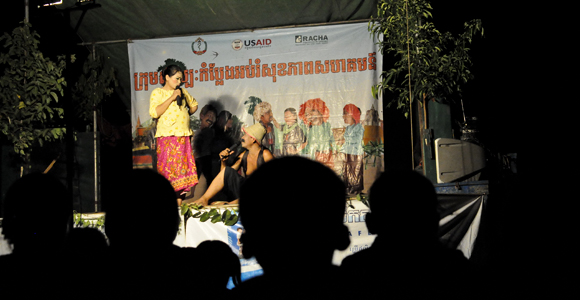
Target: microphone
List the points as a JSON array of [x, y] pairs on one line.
[[178, 99], [234, 146], [232, 158]]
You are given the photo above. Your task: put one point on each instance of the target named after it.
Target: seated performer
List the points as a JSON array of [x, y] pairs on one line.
[[228, 179]]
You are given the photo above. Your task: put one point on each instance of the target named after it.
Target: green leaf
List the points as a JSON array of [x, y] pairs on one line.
[[226, 215], [204, 217], [216, 218], [232, 221], [184, 209]]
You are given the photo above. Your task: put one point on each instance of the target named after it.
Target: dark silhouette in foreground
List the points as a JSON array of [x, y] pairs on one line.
[[142, 221], [218, 263], [36, 222], [296, 259], [406, 260], [86, 243]]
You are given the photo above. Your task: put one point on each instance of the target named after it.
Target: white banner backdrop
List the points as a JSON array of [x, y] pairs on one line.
[[337, 64]]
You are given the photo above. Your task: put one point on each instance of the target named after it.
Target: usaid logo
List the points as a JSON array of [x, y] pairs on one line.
[[251, 44]]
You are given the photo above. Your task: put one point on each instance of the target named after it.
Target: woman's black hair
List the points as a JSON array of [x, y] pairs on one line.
[[222, 118], [170, 71]]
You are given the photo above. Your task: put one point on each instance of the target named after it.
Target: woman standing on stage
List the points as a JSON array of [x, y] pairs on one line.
[[175, 158]]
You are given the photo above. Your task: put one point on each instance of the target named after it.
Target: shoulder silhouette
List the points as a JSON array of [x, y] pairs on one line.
[[406, 259], [296, 253], [36, 222], [141, 221]]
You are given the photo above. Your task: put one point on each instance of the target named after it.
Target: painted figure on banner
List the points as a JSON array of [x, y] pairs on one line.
[[290, 137], [263, 115], [230, 178], [320, 139], [352, 150], [202, 141], [172, 106]]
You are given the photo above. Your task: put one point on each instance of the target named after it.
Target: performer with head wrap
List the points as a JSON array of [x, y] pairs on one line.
[[320, 140], [229, 179]]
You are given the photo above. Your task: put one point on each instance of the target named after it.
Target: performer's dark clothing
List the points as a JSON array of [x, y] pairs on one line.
[[233, 179]]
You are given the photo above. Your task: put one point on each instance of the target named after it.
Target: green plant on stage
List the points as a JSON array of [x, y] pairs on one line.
[[373, 150], [79, 221], [428, 64], [204, 214], [364, 198], [30, 87]]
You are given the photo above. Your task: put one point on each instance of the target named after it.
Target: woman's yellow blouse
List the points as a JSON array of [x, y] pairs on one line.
[[175, 120]]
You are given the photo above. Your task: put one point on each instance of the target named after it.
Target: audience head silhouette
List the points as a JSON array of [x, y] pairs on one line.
[[86, 242], [218, 271], [295, 254], [406, 259], [143, 208], [403, 207], [37, 214], [285, 185]]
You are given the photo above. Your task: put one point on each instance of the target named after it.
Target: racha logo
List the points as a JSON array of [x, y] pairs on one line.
[[237, 44], [310, 39], [199, 46]]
